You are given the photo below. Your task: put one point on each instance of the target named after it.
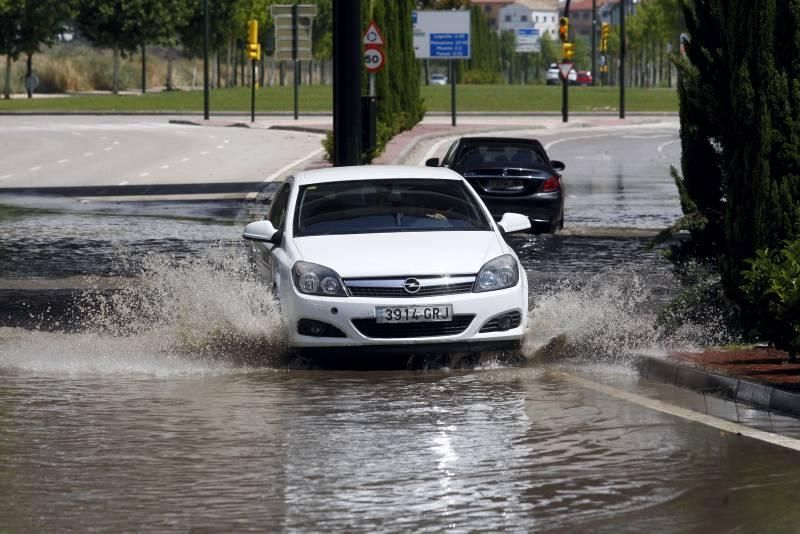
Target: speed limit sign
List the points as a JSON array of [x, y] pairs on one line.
[[374, 59]]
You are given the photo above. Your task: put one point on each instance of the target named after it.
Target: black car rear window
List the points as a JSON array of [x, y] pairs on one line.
[[499, 156]]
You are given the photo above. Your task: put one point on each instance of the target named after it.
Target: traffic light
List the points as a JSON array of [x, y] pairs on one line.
[[254, 51], [604, 29], [563, 29], [569, 51], [253, 48]]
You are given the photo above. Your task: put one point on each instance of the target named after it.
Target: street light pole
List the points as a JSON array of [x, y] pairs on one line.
[[205, 59]]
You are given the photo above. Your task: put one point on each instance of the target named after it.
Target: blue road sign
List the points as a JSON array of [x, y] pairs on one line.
[[446, 45]]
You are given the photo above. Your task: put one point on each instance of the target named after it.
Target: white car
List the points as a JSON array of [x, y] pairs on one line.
[[438, 79], [553, 76], [391, 258]]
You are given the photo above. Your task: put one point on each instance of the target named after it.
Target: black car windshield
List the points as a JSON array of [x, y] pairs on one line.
[[375, 206], [495, 155]]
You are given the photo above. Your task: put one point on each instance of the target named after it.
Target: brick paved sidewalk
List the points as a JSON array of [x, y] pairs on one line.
[[763, 365]]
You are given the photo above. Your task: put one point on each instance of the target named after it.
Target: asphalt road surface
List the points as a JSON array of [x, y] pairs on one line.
[[64, 151]]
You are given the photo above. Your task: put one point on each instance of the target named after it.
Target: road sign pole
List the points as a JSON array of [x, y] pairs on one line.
[[347, 59], [622, 60], [371, 84], [594, 40], [294, 58], [205, 59], [565, 99], [453, 92], [252, 90]]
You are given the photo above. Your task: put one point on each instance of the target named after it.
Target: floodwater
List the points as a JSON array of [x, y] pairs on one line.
[[165, 401]]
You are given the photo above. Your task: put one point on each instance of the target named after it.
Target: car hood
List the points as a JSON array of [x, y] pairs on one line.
[[401, 254]]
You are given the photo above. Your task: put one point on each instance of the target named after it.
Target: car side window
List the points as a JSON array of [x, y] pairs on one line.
[[277, 212]]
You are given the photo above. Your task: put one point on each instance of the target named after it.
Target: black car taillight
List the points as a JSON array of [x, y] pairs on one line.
[[551, 184]]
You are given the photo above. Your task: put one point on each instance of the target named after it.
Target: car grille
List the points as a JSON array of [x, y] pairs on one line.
[[393, 288], [371, 328], [493, 326]]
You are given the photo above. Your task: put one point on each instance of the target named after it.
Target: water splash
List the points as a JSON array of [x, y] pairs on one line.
[[612, 316], [178, 315]]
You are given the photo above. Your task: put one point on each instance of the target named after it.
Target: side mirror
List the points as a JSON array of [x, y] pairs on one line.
[[558, 165], [512, 223], [433, 162], [262, 231]]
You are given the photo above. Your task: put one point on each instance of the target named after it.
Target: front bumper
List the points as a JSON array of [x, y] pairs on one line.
[[340, 313]]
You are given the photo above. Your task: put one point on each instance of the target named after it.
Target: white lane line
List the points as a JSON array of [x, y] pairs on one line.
[[36, 168], [108, 148], [220, 147], [651, 136], [289, 166], [677, 411], [164, 167], [434, 149], [226, 141], [212, 136], [204, 153], [184, 160], [123, 183], [116, 142], [62, 161], [144, 175], [662, 146], [88, 154], [576, 138], [6, 176]]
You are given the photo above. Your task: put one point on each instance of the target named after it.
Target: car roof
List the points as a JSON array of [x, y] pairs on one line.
[[374, 172], [500, 140]]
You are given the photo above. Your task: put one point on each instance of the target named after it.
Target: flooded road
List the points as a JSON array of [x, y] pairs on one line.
[[151, 391]]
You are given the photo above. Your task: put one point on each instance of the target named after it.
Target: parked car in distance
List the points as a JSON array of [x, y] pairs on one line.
[[510, 174], [553, 75], [583, 77], [438, 79], [391, 258]]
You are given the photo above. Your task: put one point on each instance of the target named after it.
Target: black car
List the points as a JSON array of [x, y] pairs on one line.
[[510, 175]]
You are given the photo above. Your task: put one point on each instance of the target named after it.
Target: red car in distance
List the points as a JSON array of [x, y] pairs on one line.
[[584, 78]]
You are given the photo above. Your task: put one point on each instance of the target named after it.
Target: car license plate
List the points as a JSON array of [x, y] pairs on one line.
[[505, 184], [414, 314]]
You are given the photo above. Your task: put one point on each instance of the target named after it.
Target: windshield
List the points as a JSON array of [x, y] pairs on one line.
[[499, 156], [374, 206]]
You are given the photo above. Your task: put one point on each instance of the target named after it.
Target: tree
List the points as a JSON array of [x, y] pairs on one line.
[[25, 25]]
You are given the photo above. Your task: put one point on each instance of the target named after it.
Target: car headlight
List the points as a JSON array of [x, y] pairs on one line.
[[499, 273], [313, 279]]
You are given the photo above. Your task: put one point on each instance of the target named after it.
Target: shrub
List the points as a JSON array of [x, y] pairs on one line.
[[772, 287]]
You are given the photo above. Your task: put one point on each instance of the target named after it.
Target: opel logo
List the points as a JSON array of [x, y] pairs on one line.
[[411, 286]]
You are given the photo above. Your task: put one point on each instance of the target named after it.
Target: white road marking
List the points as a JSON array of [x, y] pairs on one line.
[[116, 142], [204, 152], [293, 164], [104, 138], [226, 141], [435, 148], [652, 136], [220, 147], [108, 148], [164, 167], [184, 160], [677, 411], [123, 183], [602, 157], [88, 154], [212, 136], [576, 138], [662, 146], [34, 169], [144, 175], [6, 176], [62, 161]]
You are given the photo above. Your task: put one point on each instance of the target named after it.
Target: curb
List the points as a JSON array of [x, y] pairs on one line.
[[758, 395], [329, 114]]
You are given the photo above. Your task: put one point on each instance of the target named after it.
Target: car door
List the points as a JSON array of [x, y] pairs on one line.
[[265, 257]]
